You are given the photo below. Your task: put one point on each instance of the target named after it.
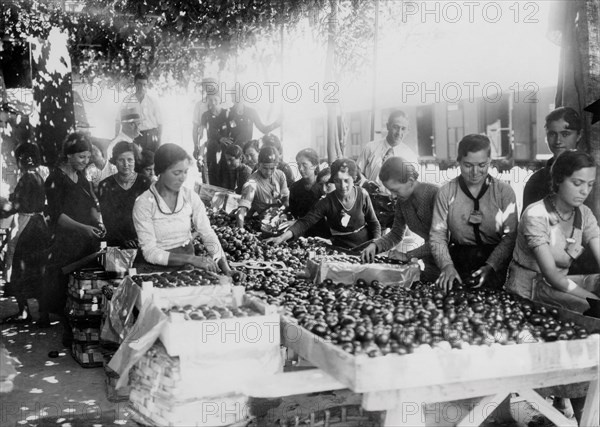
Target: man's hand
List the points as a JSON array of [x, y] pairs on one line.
[[368, 253], [447, 277]]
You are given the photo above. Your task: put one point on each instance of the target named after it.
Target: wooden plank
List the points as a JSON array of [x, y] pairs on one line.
[[591, 324], [547, 409], [289, 383], [591, 408], [328, 357], [380, 400], [477, 415], [365, 374]]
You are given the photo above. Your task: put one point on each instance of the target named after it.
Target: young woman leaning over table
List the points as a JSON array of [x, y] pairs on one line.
[[164, 214], [551, 236]]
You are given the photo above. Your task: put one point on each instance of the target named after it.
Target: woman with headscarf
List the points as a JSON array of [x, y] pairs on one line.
[[74, 217], [266, 188], [347, 210]]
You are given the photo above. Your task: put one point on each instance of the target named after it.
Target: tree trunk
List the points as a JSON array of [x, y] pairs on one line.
[[332, 137], [53, 116]]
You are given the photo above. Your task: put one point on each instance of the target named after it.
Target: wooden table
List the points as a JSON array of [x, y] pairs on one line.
[[404, 385]]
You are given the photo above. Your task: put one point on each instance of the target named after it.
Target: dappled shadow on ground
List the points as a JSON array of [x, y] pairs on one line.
[[55, 387]]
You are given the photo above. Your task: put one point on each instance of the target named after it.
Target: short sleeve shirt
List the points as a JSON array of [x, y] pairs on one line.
[[540, 227]]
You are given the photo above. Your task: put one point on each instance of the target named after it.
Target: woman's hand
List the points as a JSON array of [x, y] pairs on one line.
[[131, 244], [225, 142], [368, 253], [275, 240], [204, 263], [447, 277], [241, 216], [90, 232], [483, 274], [237, 276]]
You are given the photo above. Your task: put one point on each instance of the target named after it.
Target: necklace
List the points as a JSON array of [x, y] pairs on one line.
[[558, 213]]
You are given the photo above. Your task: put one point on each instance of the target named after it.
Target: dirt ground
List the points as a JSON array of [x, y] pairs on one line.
[[58, 391], [50, 387]]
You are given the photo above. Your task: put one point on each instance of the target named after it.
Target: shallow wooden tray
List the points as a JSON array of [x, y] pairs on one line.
[[438, 367]]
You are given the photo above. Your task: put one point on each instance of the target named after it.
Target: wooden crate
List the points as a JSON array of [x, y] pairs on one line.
[[243, 334], [166, 296], [438, 367]]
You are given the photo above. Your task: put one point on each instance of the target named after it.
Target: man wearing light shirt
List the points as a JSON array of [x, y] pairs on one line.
[[130, 127], [150, 125], [375, 154]]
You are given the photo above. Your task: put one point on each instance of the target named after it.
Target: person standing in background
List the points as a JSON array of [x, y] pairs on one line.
[[208, 86], [151, 118], [563, 131], [375, 154]]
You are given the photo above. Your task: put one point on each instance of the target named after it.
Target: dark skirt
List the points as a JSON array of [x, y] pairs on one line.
[[29, 260], [68, 247]]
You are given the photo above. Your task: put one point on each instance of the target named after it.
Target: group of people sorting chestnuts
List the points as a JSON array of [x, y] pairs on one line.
[[470, 225]]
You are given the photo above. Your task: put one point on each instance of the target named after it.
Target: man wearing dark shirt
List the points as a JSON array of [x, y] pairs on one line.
[[414, 209], [214, 121], [241, 120]]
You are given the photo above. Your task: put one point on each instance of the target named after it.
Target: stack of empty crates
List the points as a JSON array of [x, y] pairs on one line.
[[85, 305]]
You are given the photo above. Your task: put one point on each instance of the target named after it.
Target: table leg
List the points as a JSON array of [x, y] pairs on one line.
[[407, 414], [591, 407], [482, 410]]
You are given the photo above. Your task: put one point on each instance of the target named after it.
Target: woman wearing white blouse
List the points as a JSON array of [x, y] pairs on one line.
[[164, 214]]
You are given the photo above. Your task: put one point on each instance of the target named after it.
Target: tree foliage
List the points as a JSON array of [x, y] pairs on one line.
[[172, 40]]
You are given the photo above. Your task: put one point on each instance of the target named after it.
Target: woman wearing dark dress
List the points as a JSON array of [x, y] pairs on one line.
[[27, 249], [117, 194], [348, 211], [306, 192], [74, 216]]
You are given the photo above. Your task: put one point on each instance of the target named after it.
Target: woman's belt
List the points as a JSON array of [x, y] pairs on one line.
[[344, 233]]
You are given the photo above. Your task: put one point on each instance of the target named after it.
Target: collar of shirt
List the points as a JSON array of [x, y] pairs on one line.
[[162, 205]]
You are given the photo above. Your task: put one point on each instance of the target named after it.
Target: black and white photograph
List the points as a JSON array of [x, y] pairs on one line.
[[319, 213]]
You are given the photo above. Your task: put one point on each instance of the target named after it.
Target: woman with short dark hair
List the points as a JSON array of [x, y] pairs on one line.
[[164, 214], [563, 132], [414, 208], [305, 192], [117, 194], [474, 224], [551, 236]]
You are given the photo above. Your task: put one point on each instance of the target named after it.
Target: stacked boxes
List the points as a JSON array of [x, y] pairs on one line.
[[199, 381], [85, 304]]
